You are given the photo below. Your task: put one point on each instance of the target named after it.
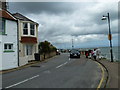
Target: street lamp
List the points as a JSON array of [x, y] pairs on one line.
[[109, 35]]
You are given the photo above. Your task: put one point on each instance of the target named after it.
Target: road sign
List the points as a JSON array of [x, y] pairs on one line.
[[109, 37]]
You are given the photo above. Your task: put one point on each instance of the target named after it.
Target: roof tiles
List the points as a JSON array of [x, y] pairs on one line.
[[6, 14]]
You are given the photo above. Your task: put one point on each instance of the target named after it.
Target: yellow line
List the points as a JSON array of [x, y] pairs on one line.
[[101, 81]]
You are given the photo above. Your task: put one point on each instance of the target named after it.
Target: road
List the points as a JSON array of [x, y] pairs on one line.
[[57, 72]]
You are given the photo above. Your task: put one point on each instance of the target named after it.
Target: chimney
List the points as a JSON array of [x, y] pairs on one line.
[[3, 5]]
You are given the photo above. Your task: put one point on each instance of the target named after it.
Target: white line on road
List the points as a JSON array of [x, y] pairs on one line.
[[69, 59], [61, 65], [22, 81]]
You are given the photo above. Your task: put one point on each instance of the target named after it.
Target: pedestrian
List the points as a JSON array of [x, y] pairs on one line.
[[94, 54], [90, 54], [86, 53], [98, 53]]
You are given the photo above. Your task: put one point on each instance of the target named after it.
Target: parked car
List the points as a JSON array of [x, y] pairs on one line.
[[74, 53], [57, 52]]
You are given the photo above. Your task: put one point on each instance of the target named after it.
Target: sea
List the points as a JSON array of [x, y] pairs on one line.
[[105, 52]]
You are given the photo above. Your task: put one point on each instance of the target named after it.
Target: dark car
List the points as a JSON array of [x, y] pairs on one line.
[[57, 52], [74, 53]]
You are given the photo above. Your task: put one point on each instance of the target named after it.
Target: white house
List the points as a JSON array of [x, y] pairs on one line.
[[8, 41], [28, 38]]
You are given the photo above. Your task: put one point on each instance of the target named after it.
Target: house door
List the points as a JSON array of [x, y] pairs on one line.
[[29, 49]]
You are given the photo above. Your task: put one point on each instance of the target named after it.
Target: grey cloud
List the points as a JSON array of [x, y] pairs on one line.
[[41, 7], [60, 21]]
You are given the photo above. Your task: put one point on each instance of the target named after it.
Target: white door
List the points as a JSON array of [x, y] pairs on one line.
[[29, 50]]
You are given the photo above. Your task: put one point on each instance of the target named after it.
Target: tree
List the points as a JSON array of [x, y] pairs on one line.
[[46, 47]]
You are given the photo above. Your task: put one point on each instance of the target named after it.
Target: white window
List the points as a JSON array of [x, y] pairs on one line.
[[8, 47], [2, 26], [32, 29], [25, 28], [29, 49]]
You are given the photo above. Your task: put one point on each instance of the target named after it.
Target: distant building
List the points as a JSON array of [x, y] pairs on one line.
[[8, 41], [28, 38]]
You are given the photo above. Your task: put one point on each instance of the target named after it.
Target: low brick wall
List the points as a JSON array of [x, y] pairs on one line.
[[47, 55], [41, 57]]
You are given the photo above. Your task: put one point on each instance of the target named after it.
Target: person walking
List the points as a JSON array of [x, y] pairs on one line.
[[86, 54], [94, 54], [98, 53], [90, 54]]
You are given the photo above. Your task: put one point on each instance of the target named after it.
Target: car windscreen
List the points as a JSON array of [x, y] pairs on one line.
[[74, 51]]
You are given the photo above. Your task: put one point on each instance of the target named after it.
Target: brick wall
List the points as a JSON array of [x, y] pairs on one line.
[[47, 55]]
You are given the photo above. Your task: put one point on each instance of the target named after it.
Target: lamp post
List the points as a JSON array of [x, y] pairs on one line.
[[109, 35], [72, 44]]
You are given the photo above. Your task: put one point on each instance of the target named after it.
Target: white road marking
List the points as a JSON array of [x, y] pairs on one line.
[[47, 71], [69, 59], [61, 65], [22, 81]]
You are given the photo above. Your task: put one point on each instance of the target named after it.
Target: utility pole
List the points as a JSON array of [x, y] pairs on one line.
[[72, 44], [110, 37]]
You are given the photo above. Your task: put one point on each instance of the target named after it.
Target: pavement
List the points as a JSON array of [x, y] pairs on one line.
[[113, 75], [58, 72]]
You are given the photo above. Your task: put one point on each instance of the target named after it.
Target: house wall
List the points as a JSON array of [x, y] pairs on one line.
[[9, 59], [23, 58], [0, 52]]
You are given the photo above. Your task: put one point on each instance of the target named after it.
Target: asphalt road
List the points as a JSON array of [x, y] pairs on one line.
[[58, 72]]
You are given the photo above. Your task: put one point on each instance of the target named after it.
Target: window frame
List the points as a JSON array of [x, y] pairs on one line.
[[32, 30], [27, 29], [8, 47]]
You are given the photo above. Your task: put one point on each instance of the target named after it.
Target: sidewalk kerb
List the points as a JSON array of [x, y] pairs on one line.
[[24, 66]]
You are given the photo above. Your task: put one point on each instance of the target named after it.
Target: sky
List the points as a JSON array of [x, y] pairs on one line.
[[62, 22]]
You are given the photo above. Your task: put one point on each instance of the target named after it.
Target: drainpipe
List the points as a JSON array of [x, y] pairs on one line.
[[18, 40]]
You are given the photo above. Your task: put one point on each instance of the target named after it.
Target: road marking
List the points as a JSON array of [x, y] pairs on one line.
[[61, 65], [69, 59], [101, 81], [22, 81], [47, 71]]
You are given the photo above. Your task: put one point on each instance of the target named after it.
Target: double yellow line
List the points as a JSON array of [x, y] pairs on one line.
[[102, 79]]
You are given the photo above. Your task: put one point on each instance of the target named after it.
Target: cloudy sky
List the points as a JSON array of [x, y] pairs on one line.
[[60, 22]]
